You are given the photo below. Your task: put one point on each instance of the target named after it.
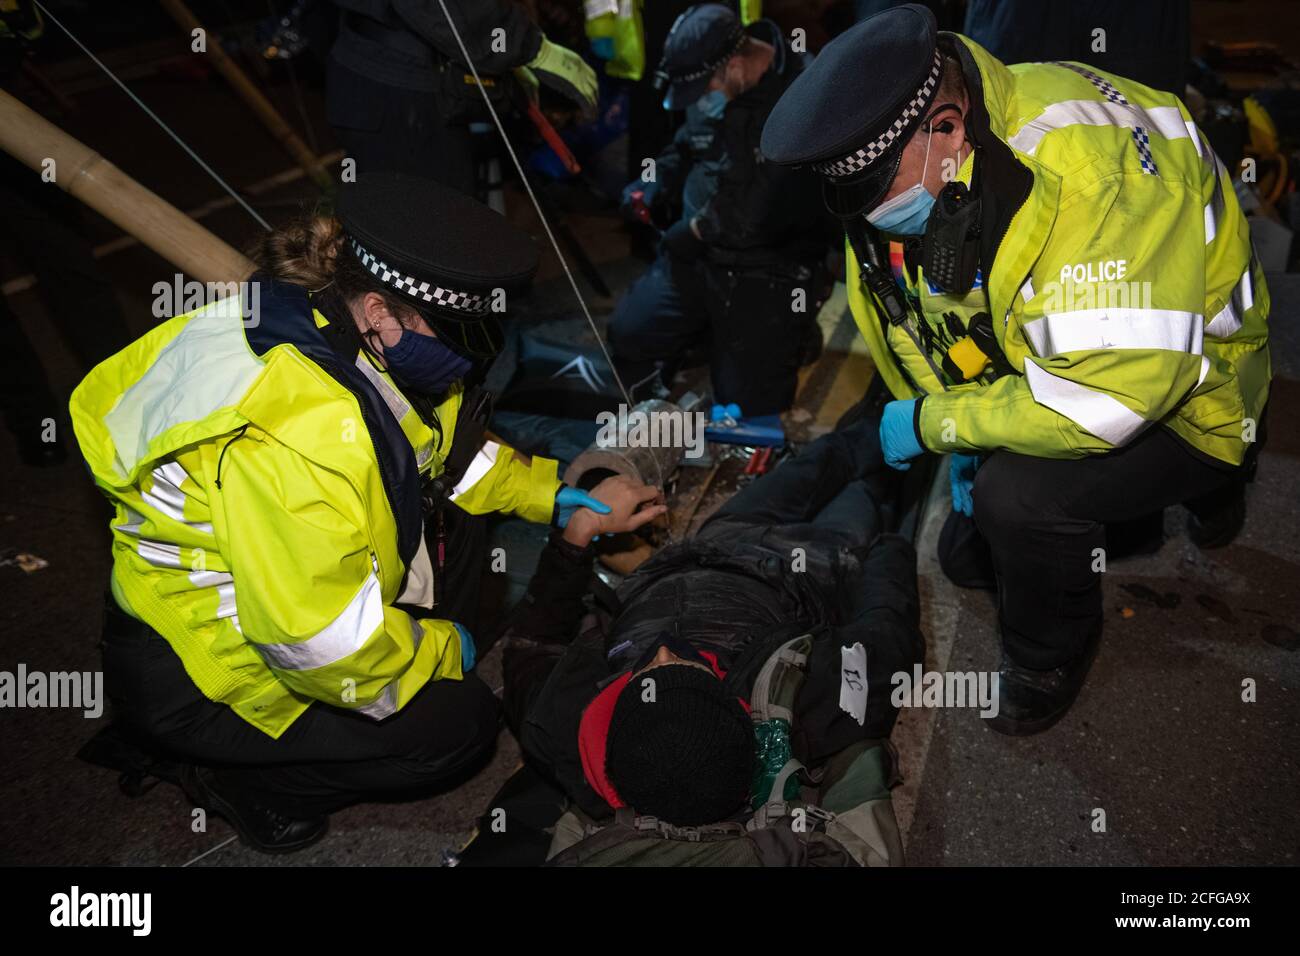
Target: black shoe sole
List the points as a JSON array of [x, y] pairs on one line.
[[1011, 727], [207, 799], [1027, 728]]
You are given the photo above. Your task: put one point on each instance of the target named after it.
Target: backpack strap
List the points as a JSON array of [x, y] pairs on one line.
[[779, 680]]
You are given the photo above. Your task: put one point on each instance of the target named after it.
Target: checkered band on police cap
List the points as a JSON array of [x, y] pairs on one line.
[[860, 159], [729, 47], [467, 302]]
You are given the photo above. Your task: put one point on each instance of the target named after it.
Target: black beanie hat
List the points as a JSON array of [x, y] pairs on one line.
[[687, 755]]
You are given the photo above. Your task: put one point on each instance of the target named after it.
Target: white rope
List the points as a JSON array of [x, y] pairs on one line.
[[154, 116]]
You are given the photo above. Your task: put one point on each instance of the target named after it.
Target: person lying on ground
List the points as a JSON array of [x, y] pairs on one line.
[[800, 551]]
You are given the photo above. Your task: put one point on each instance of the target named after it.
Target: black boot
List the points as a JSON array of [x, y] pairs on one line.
[[260, 827], [1030, 701], [1215, 520]]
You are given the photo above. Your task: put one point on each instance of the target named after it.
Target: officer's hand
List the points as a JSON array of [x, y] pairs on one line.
[[898, 438], [638, 201], [630, 504], [569, 500], [468, 652], [961, 476], [567, 73]]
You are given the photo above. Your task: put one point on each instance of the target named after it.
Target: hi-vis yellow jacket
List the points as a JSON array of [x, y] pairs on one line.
[[618, 22], [1123, 287], [268, 512]]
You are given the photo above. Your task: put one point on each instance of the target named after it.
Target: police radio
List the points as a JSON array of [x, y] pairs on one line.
[[950, 251]]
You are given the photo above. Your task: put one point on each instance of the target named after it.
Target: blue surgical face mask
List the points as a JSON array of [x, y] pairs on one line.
[[907, 213], [712, 104], [424, 363]]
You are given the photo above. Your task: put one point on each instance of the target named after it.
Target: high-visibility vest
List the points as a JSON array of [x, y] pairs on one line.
[[268, 516], [1124, 292], [618, 24]]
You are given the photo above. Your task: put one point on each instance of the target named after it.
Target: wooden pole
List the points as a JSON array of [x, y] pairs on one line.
[[251, 95], [83, 173]]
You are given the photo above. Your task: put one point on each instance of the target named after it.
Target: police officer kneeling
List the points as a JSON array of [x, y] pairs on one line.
[[1075, 311], [297, 478]]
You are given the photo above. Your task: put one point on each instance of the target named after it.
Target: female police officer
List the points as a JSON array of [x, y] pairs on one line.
[[293, 475]]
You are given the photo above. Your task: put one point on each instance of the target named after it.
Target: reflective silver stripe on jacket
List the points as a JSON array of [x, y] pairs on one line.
[[480, 466], [1233, 313], [343, 636], [1090, 329], [1094, 412], [385, 705]]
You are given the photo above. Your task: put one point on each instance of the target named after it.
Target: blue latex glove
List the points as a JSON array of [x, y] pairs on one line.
[[569, 500], [898, 436], [468, 653], [961, 475]]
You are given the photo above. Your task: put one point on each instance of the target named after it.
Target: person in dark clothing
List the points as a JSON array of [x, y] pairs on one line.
[[800, 551], [399, 94], [735, 269], [45, 229], [1149, 42]]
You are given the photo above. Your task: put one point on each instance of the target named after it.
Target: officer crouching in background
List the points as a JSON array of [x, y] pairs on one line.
[[746, 235]]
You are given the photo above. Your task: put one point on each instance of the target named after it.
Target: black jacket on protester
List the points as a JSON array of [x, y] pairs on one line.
[[401, 42], [731, 590], [750, 211]]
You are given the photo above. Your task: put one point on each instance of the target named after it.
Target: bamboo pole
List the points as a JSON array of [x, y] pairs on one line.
[[86, 175], [251, 95]]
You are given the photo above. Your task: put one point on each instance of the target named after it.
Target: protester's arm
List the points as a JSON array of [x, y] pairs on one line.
[[883, 615], [547, 618]]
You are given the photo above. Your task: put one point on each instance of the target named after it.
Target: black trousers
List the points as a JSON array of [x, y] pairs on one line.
[[1045, 522], [329, 757], [744, 318], [385, 127]]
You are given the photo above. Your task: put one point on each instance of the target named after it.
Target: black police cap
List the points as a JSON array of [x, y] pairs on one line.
[[850, 113], [440, 250], [700, 41]]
